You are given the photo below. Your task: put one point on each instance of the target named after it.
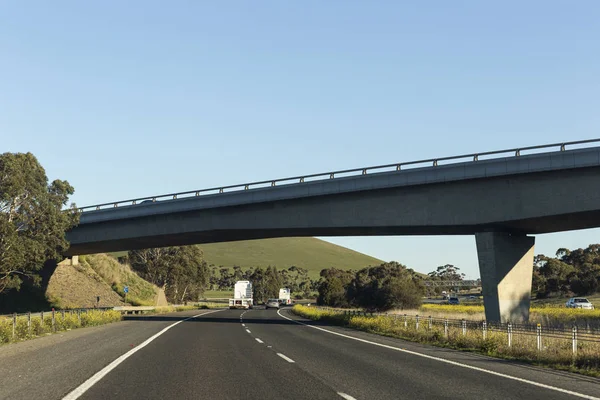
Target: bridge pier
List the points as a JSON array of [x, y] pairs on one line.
[[506, 268]]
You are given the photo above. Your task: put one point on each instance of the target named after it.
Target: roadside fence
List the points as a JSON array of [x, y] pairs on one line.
[[27, 325], [511, 335]]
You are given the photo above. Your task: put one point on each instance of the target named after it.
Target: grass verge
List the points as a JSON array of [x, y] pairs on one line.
[[38, 327], [557, 353]]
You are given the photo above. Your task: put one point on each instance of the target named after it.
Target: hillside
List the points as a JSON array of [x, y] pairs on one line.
[[77, 286], [306, 252], [98, 275]]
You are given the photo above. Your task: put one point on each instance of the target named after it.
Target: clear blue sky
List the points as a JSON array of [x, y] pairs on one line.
[[148, 97]]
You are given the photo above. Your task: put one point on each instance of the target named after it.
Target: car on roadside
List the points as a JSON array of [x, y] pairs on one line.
[[453, 300], [272, 303], [579, 302]]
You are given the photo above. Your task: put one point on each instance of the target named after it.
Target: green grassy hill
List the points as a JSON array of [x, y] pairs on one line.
[[305, 252]]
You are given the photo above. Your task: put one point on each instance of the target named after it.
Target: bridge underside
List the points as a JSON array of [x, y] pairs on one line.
[[572, 221]]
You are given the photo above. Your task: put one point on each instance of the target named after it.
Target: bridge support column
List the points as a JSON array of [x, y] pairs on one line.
[[506, 267]]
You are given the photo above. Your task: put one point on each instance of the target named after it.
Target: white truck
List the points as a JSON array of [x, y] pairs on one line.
[[242, 295], [285, 296]]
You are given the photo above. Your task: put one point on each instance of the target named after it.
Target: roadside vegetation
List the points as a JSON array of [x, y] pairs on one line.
[[552, 317], [32, 222], [38, 327], [556, 353], [383, 287]]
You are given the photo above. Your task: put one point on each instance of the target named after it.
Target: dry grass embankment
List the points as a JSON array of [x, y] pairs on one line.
[[117, 275], [556, 353], [39, 327]]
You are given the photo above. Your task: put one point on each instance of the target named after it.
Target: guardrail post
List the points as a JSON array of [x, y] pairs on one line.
[[484, 327], [509, 332], [14, 325], [464, 327], [405, 321], [430, 322], [539, 336], [574, 339], [29, 322], [446, 328], [417, 322], [53, 321]]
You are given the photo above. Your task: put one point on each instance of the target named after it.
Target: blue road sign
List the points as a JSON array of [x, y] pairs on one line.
[[126, 289]]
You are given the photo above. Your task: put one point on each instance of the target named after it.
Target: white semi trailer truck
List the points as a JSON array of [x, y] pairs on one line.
[[285, 296], [242, 295]]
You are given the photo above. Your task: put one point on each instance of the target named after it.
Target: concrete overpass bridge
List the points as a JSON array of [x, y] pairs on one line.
[[499, 197]]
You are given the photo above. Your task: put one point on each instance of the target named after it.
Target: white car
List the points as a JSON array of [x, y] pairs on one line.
[[579, 302]]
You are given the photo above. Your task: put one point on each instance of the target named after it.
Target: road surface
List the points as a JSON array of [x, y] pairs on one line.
[[261, 354]]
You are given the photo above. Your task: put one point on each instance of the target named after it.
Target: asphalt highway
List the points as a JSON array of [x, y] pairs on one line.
[[265, 354]]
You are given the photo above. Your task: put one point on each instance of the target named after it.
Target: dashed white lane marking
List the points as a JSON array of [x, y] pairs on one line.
[[244, 325], [84, 387], [346, 396], [248, 330], [542, 385], [286, 358], [269, 347], [258, 340]]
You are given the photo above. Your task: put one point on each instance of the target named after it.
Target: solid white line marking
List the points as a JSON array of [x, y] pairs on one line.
[[248, 330], [487, 371], [81, 389], [346, 396], [285, 358], [258, 340]]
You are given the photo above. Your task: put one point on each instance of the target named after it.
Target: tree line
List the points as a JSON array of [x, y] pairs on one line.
[[568, 272], [383, 287], [294, 278]]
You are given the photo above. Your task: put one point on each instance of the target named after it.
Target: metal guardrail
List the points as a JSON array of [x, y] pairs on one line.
[[432, 162]]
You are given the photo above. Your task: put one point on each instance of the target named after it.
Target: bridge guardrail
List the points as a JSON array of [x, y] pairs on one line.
[[432, 162]]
